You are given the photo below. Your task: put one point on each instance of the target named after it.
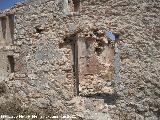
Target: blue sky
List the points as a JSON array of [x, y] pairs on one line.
[[8, 3]]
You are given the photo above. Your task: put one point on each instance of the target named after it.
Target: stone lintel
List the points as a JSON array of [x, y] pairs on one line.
[[6, 14], [3, 15]]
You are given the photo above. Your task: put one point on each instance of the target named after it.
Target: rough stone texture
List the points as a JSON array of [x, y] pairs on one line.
[[138, 83], [45, 72]]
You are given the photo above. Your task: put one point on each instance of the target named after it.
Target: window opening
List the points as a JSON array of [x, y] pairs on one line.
[[3, 24], [76, 5], [11, 64], [11, 25]]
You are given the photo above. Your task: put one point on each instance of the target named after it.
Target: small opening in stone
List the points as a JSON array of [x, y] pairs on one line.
[[39, 30], [11, 63], [69, 1], [76, 4], [11, 25], [61, 45], [117, 36], [3, 24], [98, 50]]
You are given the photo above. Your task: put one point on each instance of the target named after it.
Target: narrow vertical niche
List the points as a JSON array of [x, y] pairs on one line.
[[74, 45], [76, 5], [3, 24], [11, 64], [11, 25]]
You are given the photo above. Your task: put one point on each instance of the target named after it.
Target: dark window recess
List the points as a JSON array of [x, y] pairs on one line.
[[3, 27], [117, 36], [61, 45], [69, 1], [98, 50], [11, 25], [74, 46], [11, 64], [76, 4], [39, 29]]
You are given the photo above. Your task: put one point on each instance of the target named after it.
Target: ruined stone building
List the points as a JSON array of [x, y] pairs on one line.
[[55, 58]]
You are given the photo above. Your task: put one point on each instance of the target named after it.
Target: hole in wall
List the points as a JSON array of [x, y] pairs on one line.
[[117, 36], [76, 4], [110, 99], [39, 29], [98, 50], [74, 46], [66, 41], [61, 45], [69, 1], [11, 64], [3, 24], [11, 25], [7, 24]]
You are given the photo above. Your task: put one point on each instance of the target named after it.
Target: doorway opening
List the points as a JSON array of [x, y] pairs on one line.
[[72, 41]]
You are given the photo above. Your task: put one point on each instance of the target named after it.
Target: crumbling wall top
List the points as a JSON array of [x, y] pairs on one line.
[[13, 9]]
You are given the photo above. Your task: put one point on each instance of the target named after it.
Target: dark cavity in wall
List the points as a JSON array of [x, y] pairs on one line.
[[67, 41], [39, 29], [7, 23], [3, 19], [11, 64], [74, 45], [110, 99], [100, 48], [11, 25], [76, 4]]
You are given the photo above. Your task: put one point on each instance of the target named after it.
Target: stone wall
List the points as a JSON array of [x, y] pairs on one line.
[[46, 62], [47, 68]]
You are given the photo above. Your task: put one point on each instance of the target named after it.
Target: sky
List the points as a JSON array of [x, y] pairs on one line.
[[4, 4]]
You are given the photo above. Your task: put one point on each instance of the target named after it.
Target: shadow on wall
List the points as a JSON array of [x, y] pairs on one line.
[[3, 88], [109, 99]]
